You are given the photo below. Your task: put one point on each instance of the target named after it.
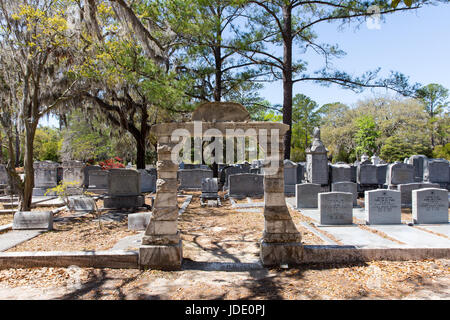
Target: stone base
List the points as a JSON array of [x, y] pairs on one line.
[[166, 257], [97, 191], [276, 254], [39, 192], [74, 191], [119, 202], [289, 190]]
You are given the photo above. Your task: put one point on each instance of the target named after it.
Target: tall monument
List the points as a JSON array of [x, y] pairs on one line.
[[317, 161]]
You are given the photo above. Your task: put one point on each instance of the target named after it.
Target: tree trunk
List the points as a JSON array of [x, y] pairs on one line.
[[287, 77], [17, 161], [140, 153], [25, 205]]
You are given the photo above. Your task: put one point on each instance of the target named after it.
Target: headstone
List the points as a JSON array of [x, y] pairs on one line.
[[26, 220], [44, 177], [419, 163], [317, 161], [191, 179], [148, 181], [367, 174], [3, 175], [138, 221], [336, 208], [350, 187], [306, 195], [82, 204], [124, 189], [383, 207], [210, 188], [98, 181], [399, 173], [228, 171], [290, 177], [246, 185], [300, 172], [406, 191], [430, 206], [381, 173], [340, 173], [354, 170], [437, 171], [87, 170], [73, 173]]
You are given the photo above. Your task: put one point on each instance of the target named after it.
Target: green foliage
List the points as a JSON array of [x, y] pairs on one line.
[[434, 97], [442, 151], [47, 143], [366, 136], [61, 190], [396, 148]]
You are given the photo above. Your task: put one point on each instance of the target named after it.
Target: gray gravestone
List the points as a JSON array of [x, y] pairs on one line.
[[230, 171], [191, 179], [246, 185], [367, 174], [73, 173], [87, 170], [336, 208], [306, 195], [210, 188], [3, 175], [430, 205], [82, 204], [290, 177], [437, 171], [26, 220], [350, 187], [406, 191], [124, 189], [148, 181], [317, 161], [340, 173], [383, 207], [98, 181], [45, 177], [418, 162], [399, 173], [300, 172], [381, 173]]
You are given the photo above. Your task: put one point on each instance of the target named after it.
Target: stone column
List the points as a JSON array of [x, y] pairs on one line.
[[281, 242], [161, 245]]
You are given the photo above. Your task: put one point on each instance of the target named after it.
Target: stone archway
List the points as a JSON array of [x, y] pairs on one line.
[[161, 245]]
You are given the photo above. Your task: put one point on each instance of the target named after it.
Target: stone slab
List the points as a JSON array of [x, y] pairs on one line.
[[439, 228], [26, 220], [430, 205], [138, 221], [413, 237], [13, 238], [382, 207], [335, 208]]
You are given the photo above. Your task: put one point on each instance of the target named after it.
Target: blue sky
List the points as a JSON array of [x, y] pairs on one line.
[[415, 43]]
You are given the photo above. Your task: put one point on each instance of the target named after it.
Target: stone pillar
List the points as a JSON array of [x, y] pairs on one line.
[[161, 245], [73, 173], [281, 242], [317, 161]]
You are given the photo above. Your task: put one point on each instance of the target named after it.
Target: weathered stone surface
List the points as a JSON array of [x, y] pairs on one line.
[[336, 208], [340, 173], [124, 182], [437, 171], [246, 185], [276, 254], [381, 173], [138, 221], [290, 177], [220, 112], [273, 185], [161, 257], [419, 163], [45, 177], [123, 202], [148, 181], [161, 239], [276, 213], [81, 204], [166, 185], [73, 172], [25, 220], [3, 175], [86, 173], [382, 207], [346, 187], [273, 199], [210, 188], [191, 179], [430, 205], [306, 195], [280, 226], [165, 213], [367, 174], [98, 181], [231, 170], [400, 173], [406, 191], [161, 227]]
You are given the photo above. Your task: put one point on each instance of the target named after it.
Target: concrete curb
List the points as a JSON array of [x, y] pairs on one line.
[[343, 254], [6, 227], [117, 259]]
